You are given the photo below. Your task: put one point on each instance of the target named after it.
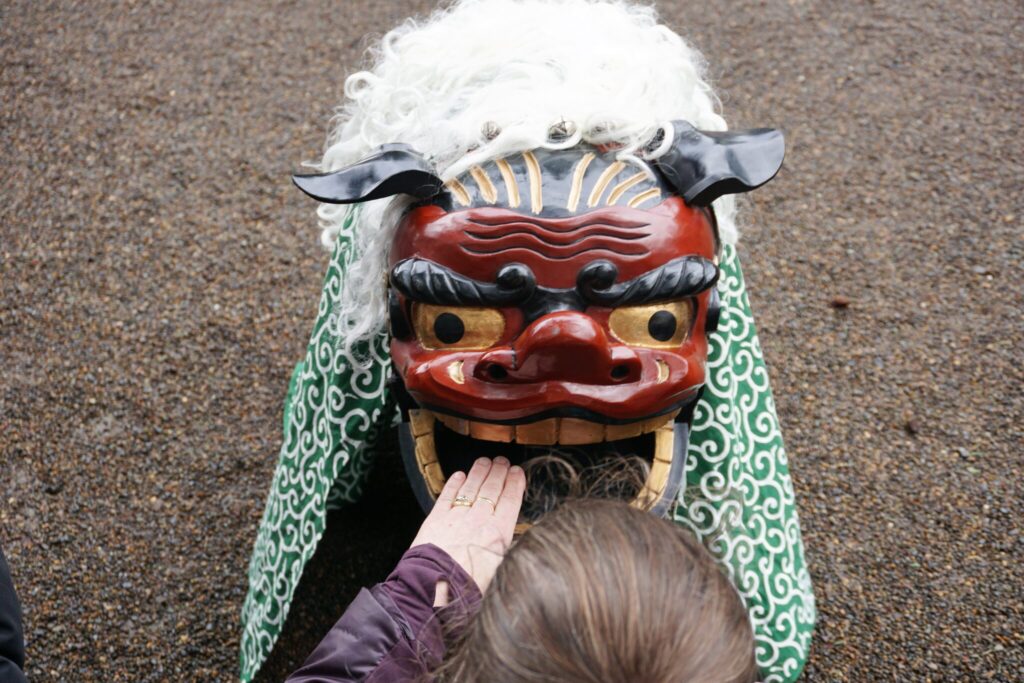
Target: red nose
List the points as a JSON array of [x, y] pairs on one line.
[[566, 346]]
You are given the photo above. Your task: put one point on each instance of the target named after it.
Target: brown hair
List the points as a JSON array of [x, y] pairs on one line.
[[598, 591]]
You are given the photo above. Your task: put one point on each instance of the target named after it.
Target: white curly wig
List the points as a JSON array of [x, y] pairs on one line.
[[518, 66]]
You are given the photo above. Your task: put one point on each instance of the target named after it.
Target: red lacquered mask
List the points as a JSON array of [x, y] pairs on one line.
[[555, 300]]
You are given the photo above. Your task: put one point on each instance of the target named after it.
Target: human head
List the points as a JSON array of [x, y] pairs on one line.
[[599, 591]]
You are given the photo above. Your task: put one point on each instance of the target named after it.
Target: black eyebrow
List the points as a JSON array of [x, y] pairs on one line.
[[428, 282], [676, 279], [515, 285]]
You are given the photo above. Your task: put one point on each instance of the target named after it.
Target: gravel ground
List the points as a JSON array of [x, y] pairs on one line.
[[160, 275]]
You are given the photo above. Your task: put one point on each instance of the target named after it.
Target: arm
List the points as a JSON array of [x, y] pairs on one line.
[[394, 631], [391, 632]]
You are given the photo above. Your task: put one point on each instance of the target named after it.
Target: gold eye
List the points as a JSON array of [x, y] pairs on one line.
[[457, 327], [658, 326]]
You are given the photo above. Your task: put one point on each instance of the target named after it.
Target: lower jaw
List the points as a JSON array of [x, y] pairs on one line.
[[655, 441]]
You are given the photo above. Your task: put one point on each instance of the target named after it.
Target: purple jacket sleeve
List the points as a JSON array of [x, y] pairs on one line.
[[392, 631], [12, 641]]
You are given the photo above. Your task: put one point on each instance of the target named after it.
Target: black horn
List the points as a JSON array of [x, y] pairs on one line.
[[392, 169], [704, 165]]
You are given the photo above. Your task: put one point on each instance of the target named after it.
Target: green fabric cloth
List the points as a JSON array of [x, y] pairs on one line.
[[738, 495], [738, 498]]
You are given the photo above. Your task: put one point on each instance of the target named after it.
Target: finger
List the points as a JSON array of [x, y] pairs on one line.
[[441, 594], [450, 490], [477, 473], [511, 501], [492, 486]]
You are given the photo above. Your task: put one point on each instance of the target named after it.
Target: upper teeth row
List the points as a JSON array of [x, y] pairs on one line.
[[556, 430]]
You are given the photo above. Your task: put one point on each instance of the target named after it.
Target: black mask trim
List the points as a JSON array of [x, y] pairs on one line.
[[702, 166], [399, 321], [392, 169], [714, 312]]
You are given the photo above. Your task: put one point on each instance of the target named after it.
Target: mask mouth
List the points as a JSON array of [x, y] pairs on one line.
[[641, 461]]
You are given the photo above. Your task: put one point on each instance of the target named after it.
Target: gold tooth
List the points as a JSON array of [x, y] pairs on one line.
[[626, 431], [434, 477], [646, 499], [657, 422], [573, 432], [661, 466], [455, 372], [658, 478], [456, 424], [663, 370], [540, 433], [664, 439], [652, 424], [426, 452], [491, 432], [422, 422]]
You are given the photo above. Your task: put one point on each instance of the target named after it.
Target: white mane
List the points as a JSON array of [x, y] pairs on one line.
[[608, 67]]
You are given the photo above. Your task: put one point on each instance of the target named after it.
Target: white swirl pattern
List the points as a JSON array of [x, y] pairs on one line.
[[738, 498], [736, 453]]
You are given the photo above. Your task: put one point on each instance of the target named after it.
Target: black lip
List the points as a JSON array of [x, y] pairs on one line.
[[573, 412]]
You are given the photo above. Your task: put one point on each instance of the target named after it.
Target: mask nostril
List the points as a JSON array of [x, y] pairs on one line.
[[496, 372], [620, 372]]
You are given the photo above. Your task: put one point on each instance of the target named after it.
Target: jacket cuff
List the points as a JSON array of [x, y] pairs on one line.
[[413, 584]]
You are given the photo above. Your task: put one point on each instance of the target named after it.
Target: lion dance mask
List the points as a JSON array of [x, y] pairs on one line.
[[554, 297]]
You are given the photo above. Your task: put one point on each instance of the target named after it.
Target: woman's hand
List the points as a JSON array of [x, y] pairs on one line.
[[474, 518]]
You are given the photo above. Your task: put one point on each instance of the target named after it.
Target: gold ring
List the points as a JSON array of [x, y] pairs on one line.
[[462, 501], [485, 498]]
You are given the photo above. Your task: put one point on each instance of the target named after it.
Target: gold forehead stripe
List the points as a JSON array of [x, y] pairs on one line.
[[639, 199], [533, 170], [487, 190], [621, 188], [602, 183], [577, 180], [459, 191], [511, 186]]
